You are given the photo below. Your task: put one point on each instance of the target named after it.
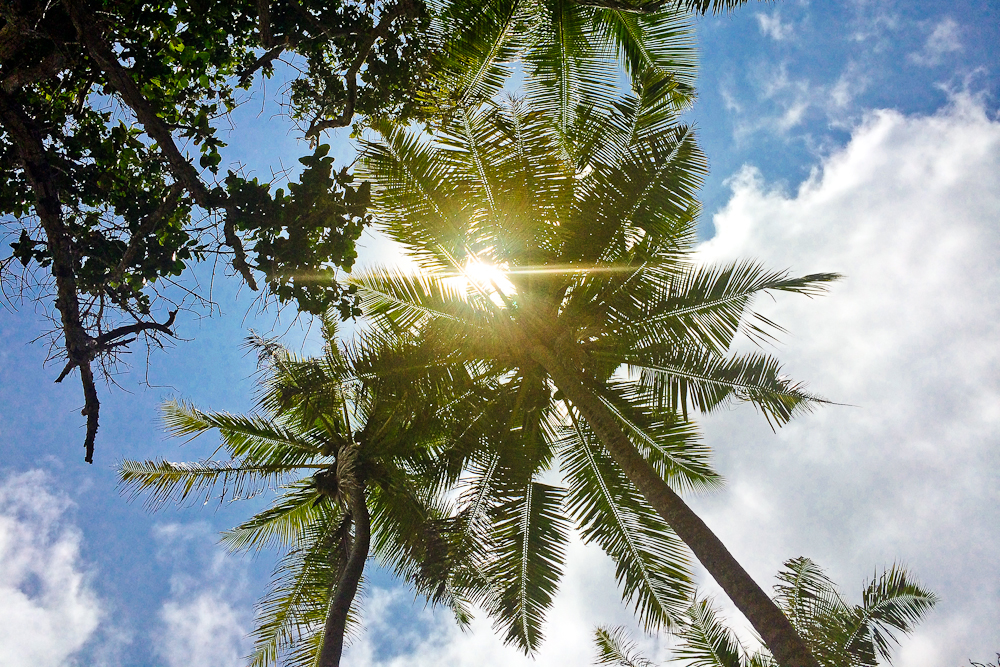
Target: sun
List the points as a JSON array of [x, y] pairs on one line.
[[487, 278]]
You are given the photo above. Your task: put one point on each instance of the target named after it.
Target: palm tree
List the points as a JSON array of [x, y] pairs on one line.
[[354, 459], [839, 634], [567, 49], [554, 257]]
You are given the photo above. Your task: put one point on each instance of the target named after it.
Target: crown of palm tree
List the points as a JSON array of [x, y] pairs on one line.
[[602, 330]]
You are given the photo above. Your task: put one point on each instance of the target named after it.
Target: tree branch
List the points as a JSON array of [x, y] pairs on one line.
[[31, 150], [351, 76], [91, 36], [318, 25], [27, 75], [264, 23], [266, 59], [146, 227], [105, 340]]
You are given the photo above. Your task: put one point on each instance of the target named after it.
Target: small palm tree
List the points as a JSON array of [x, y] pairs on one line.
[[839, 634], [353, 458], [552, 258]]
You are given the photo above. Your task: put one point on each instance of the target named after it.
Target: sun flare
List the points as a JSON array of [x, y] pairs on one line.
[[485, 277]]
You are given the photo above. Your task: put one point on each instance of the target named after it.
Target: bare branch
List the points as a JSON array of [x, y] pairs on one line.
[[91, 410], [103, 342]]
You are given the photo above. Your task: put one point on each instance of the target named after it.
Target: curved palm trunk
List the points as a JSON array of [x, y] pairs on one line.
[[347, 586], [779, 635]]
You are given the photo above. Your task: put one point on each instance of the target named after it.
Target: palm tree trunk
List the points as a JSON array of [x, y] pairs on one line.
[[347, 586], [778, 634]]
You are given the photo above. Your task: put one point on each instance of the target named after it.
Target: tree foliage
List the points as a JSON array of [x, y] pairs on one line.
[[110, 144], [562, 262]]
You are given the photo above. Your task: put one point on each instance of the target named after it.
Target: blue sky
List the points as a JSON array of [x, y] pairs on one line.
[[860, 137]]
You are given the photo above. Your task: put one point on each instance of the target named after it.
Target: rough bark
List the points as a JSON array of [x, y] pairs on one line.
[[347, 586], [775, 629]]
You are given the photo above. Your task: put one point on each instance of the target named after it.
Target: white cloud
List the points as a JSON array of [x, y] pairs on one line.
[[791, 102], [588, 597], [851, 83], [773, 26], [910, 212], [204, 622], [47, 609], [944, 39], [203, 631]]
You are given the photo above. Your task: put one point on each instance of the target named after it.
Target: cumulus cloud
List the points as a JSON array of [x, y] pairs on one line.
[[202, 631], [910, 212], [47, 608], [945, 38], [204, 622]]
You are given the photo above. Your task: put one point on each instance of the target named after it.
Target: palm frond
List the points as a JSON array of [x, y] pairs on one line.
[[294, 608], [650, 189], [164, 481], [529, 534], [616, 648], [402, 301], [651, 562], [892, 603], [480, 43], [565, 67], [679, 378], [251, 439], [671, 445], [707, 642], [654, 6], [710, 304], [281, 524], [660, 42]]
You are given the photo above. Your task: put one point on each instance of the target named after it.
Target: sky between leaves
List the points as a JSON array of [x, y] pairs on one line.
[[861, 137]]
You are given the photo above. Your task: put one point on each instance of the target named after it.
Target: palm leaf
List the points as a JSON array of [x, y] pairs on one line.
[[710, 304], [707, 642], [671, 445], [280, 525], [164, 481], [529, 532], [294, 608], [614, 647], [480, 44], [677, 378], [892, 603], [651, 562], [251, 439]]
